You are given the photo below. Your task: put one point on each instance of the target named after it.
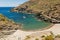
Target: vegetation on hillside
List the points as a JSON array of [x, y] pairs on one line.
[[49, 9], [43, 37], [6, 24]]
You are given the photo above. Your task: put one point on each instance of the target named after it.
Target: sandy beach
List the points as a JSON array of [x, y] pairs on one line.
[[20, 35]]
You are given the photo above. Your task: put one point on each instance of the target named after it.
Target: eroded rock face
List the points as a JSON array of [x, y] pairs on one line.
[[50, 9]]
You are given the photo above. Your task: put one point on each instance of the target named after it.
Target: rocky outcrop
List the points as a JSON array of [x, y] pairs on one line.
[[49, 8]]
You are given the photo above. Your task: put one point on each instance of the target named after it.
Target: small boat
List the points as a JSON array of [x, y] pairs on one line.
[[24, 16]]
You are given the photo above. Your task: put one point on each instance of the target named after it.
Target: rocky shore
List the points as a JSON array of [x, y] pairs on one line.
[[49, 9]]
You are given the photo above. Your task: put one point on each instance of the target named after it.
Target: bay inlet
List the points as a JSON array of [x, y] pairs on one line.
[[28, 20]]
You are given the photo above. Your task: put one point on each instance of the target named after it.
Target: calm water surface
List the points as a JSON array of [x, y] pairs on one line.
[[28, 20]]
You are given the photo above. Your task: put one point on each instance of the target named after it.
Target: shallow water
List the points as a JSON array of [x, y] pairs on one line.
[[28, 20]]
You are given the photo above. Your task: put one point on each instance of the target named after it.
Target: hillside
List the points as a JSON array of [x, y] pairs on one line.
[[37, 5], [6, 24], [49, 9]]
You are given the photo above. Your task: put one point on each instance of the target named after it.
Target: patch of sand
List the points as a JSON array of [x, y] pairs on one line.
[[20, 35]]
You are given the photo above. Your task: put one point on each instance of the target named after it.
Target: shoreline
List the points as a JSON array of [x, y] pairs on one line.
[[30, 30], [46, 28], [22, 34], [38, 29]]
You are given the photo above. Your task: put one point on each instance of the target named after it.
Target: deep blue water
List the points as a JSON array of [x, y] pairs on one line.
[[28, 20]]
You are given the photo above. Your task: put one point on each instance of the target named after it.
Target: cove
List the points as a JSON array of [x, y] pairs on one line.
[[28, 20]]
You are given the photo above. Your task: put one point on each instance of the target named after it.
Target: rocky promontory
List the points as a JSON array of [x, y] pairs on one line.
[[49, 9]]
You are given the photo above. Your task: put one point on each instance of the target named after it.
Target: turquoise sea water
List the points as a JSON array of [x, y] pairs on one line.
[[28, 20]]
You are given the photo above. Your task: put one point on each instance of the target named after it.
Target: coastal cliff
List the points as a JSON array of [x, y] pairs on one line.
[[49, 9]]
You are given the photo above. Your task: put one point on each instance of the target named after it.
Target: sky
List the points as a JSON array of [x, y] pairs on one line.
[[11, 3]]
